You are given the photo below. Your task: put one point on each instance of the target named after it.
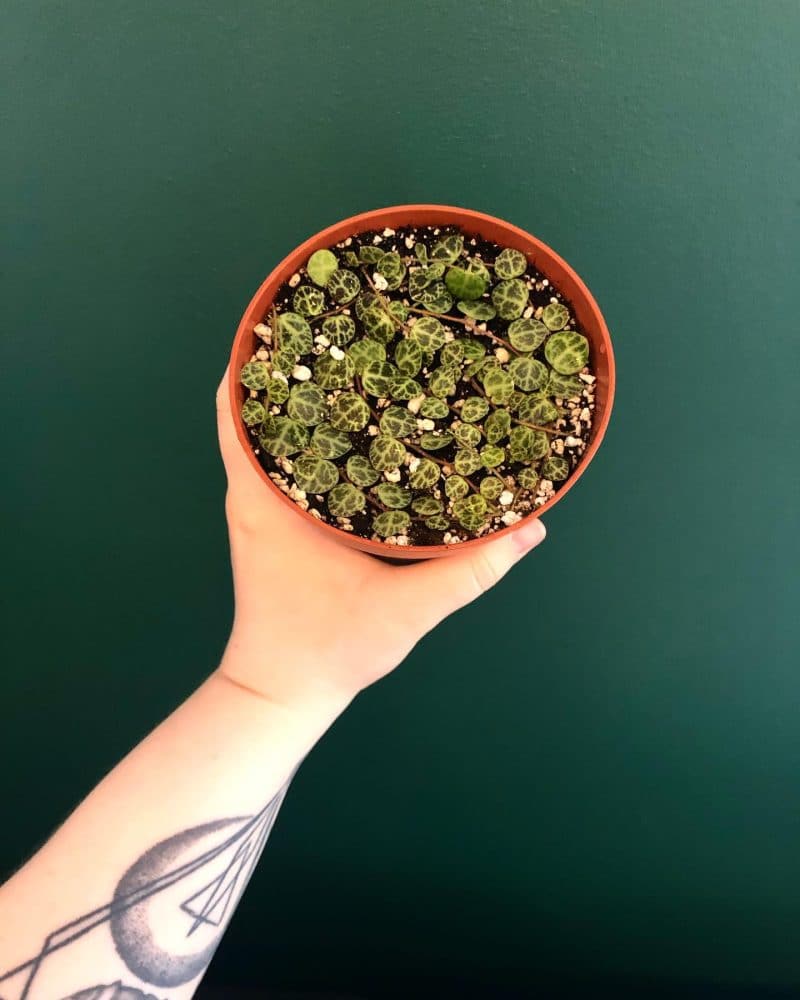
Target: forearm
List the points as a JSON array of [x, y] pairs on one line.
[[160, 851]]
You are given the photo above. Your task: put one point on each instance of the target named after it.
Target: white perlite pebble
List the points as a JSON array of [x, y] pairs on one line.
[[392, 476], [337, 353], [388, 232], [511, 517], [584, 377], [413, 465], [348, 241], [275, 410], [377, 239], [301, 373], [415, 403], [528, 312], [505, 498], [262, 330], [426, 424], [586, 415], [502, 355], [262, 354], [315, 513], [409, 242], [380, 282], [402, 539], [280, 377], [372, 430], [294, 281], [545, 282], [572, 442], [322, 340]]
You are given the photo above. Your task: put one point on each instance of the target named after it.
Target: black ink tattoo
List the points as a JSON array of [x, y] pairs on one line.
[[168, 912]]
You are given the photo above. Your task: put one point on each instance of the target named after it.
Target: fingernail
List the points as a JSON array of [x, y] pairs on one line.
[[529, 535]]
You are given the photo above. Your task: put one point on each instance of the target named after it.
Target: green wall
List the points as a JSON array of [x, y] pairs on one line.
[[595, 771]]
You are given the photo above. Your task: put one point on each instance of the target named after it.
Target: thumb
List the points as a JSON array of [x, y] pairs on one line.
[[441, 586]]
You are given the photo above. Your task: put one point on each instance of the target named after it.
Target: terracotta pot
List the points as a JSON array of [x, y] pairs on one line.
[[490, 228]]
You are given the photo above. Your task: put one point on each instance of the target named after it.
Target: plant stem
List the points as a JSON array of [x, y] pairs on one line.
[[384, 303], [333, 312], [425, 454]]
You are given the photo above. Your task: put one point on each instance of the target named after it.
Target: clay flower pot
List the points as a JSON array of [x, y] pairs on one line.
[[503, 233]]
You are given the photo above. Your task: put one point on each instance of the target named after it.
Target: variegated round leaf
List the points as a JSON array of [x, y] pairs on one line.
[[333, 373], [392, 268], [491, 487], [428, 333], [277, 391], [282, 436], [526, 445], [526, 335], [308, 301], [349, 412], [397, 421], [328, 442], [294, 333], [473, 409], [370, 254], [254, 375], [528, 477], [538, 410], [467, 435], [343, 285], [441, 383], [321, 265], [345, 500], [564, 386], [510, 298], [391, 522], [386, 452], [404, 387], [448, 249], [361, 471], [471, 512], [393, 496], [314, 475], [365, 352], [253, 412], [567, 351], [498, 384], [377, 377], [439, 522], [555, 316], [339, 329], [467, 461], [510, 263], [497, 426], [435, 440], [408, 357], [480, 310], [465, 283], [528, 373], [425, 475], [436, 298], [307, 403], [456, 487], [434, 408], [492, 455], [427, 506], [555, 467]]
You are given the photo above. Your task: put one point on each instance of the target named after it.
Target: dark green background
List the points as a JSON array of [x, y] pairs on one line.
[[595, 771]]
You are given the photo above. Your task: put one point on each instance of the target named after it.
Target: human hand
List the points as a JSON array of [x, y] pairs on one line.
[[316, 616]]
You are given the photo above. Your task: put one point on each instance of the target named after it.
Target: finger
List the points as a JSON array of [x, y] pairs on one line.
[[439, 587]]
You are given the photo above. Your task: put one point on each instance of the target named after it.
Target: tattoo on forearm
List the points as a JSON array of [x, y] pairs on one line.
[[166, 917]]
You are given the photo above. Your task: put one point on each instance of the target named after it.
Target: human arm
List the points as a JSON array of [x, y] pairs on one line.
[[137, 886]]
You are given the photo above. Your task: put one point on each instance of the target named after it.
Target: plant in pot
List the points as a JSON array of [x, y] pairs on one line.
[[420, 378]]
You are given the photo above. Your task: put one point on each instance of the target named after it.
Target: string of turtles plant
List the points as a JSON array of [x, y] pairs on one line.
[[418, 394]]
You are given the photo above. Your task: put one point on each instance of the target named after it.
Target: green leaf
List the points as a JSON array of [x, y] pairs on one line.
[[538, 410], [528, 477], [468, 435], [480, 310], [567, 352], [343, 285], [351, 259], [527, 334], [346, 500], [499, 385], [308, 301], [339, 329], [399, 310], [315, 475], [473, 349], [391, 522], [370, 254], [253, 412], [282, 436], [349, 412], [307, 403], [436, 298], [463, 283], [441, 383], [528, 373], [452, 354], [425, 476], [510, 263], [421, 253], [435, 440], [471, 512], [510, 298], [408, 357], [439, 522], [379, 325], [418, 281], [434, 408], [365, 352], [526, 445], [386, 452], [255, 375], [516, 400], [328, 442], [497, 426], [393, 496], [564, 386], [321, 265], [448, 249], [377, 377], [332, 373], [428, 333], [555, 316], [396, 421], [491, 487], [555, 467], [294, 333], [361, 471], [467, 461], [427, 506], [284, 361], [403, 388], [474, 409], [492, 455], [392, 268], [456, 487]]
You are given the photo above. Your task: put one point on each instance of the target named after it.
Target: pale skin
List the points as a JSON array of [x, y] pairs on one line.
[[210, 778]]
